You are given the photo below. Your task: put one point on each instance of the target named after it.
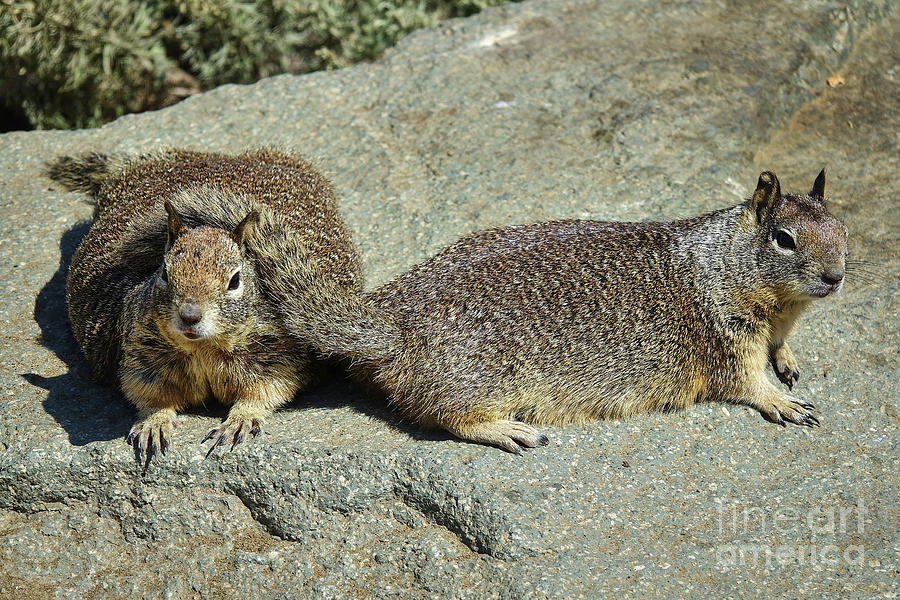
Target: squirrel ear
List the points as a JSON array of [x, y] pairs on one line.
[[767, 196], [818, 188], [174, 224], [245, 226]]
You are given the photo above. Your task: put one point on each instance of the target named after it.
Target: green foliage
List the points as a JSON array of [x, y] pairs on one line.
[[79, 63]]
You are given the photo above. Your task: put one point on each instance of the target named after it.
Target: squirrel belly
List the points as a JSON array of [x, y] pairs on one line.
[[163, 292], [573, 320]]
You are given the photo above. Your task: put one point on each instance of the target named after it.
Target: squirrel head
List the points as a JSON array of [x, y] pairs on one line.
[[205, 287], [802, 248]]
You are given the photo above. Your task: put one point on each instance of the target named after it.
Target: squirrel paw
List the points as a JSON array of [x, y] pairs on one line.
[[786, 366], [508, 434], [234, 431], [788, 408], [150, 436]]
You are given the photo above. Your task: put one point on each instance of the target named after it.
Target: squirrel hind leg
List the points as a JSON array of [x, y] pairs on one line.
[[508, 434], [778, 407]]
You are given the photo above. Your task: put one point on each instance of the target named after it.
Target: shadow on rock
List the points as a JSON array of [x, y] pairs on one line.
[[338, 389], [87, 411]]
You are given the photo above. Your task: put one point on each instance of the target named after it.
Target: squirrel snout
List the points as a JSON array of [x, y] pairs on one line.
[[190, 313], [833, 275]]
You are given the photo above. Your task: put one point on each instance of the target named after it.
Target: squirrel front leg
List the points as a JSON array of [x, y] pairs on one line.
[[785, 365], [152, 433], [158, 385], [780, 356], [157, 404], [251, 407]]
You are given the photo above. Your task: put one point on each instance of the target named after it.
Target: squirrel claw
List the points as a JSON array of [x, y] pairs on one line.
[[786, 366], [787, 408], [138, 450], [511, 435], [788, 377], [215, 445], [520, 436], [810, 420], [803, 404], [233, 432], [150, 437]]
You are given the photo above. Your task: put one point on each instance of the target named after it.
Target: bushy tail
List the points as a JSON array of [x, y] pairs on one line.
[[85, 173], [314, 307]]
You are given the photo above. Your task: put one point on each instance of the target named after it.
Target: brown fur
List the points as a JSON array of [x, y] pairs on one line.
[[141, 276], [572, 320]]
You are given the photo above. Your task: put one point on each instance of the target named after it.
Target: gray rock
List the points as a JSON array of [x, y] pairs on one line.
[[534, 111]]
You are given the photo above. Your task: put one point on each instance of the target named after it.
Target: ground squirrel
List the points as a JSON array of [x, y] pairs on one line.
[[162, 292], [566, 321]]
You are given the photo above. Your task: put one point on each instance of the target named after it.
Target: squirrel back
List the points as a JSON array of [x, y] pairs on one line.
[[566, 321]]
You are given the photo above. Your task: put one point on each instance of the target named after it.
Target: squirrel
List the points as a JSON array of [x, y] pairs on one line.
[[566, 321], [162, 292]]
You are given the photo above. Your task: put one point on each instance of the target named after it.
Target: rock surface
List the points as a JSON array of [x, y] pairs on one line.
[[541, 110]]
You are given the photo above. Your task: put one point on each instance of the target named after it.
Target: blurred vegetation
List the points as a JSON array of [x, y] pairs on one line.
[[79, 63]]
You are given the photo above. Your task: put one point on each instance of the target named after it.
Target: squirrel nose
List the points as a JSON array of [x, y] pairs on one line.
[[833, 275], [190, 313]]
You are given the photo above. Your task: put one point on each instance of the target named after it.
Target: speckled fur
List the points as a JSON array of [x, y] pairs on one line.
[[126, 317], [566, 321]]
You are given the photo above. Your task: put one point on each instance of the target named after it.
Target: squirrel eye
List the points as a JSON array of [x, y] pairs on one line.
[[784, 239], [235, 281]]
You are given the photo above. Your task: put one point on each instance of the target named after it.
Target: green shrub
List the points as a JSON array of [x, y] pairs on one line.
[[79, 63]]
